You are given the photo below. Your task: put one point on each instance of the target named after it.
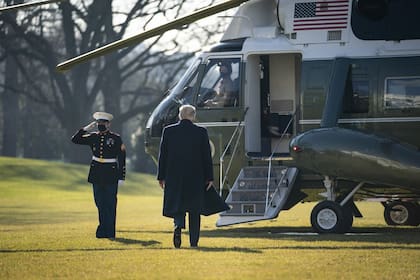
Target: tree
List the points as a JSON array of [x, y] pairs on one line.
[[10, 97], [47, 38]]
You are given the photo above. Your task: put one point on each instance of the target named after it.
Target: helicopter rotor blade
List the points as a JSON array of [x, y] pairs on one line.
[[26, 5], [177, 23]]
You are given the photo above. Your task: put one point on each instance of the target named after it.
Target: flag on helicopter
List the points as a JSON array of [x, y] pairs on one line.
[[321, 15]]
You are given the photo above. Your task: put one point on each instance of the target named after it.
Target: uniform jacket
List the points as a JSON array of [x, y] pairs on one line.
[[186, 166], [106, 145]]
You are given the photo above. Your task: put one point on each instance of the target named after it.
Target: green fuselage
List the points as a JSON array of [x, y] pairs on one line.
[[376, 96]]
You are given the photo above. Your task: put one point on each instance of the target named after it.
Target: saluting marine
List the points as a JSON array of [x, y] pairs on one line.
[[107, 169]]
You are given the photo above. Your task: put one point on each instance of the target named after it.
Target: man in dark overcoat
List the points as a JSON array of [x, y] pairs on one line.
[[185, 170], [107, 169]]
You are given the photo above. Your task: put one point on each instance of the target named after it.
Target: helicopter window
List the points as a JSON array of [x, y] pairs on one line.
[[220, 85], [182, 93], [402, 92], [356, 99], [185, 96], [315, 78]]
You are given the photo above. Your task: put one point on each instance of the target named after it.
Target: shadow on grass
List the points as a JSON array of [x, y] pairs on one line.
[[404, 235], [229, 249], [384, 235], [128, 241], [360, 238], [204, 249], [64, 250]]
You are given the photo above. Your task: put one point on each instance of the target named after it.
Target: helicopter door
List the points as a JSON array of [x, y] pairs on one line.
[[272, 100], [282, 101], [218, 100]]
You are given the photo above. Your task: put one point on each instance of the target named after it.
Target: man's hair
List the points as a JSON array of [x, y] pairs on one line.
[[187, 112]]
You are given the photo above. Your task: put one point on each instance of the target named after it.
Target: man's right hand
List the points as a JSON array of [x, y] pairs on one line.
[[89, 126], [209, 185], [162, 184]]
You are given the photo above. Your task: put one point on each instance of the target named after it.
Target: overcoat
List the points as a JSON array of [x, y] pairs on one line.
[[185, 165]]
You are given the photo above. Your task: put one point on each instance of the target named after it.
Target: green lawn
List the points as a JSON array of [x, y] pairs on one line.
[[48, 222]]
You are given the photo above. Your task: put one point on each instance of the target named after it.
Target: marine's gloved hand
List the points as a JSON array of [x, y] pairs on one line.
[[89, 126], [120, 183]]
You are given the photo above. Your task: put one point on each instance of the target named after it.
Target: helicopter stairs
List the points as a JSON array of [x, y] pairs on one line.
[[258, 194]]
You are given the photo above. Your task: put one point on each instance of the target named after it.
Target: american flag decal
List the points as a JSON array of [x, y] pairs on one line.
[[321, 15]]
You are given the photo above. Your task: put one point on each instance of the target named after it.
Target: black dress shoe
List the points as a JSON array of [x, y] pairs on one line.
[[105, 236], [177, 237]]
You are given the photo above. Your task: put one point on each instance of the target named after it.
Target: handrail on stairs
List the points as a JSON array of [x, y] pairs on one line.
[[271, 159], [238, 130]]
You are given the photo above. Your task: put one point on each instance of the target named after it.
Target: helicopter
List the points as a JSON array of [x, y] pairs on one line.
[[323, 105]]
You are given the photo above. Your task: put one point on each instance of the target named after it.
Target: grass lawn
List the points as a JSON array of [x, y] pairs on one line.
[[48, 221]]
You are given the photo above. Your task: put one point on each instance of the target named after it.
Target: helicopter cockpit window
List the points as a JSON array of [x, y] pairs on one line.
[[220, 85], [184, 94], [402, 92]]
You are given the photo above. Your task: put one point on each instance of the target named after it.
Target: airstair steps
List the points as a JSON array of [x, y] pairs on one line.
[[256, 197]]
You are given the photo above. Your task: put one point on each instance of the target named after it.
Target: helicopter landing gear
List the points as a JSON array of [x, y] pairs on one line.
[[330, 216], [398, 213]]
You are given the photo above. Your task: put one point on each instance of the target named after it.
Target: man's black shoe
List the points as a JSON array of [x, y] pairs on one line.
[[177, 237], [105, 236]]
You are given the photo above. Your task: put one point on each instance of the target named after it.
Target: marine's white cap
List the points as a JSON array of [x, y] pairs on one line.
[[103, 116]]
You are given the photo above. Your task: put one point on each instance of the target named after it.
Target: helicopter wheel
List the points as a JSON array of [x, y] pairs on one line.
[[399, 213], [329, 217]]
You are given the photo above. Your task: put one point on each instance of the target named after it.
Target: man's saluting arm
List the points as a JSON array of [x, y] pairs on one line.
[[82, 136]]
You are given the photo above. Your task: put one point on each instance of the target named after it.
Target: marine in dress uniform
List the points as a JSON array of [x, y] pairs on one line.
[[107, 169]]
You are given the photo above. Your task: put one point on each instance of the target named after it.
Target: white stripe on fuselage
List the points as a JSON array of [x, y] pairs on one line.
[[318, 121], [366, 120], [218, 124]]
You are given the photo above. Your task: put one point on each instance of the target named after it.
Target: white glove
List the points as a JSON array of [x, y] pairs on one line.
[[120, 183], [89, 126]]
